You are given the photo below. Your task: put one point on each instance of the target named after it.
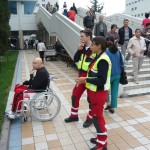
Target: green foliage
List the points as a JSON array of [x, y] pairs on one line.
[[4, 26], [97, 6], [7, 67]]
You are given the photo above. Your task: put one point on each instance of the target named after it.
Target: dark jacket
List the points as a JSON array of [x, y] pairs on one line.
[[97, 29], [75, 9], [88, 22], [40, 81], [121, 33]]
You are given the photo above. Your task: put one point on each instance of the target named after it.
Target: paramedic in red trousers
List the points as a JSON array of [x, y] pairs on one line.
[[83, 56], [98, 85], [37, 82]]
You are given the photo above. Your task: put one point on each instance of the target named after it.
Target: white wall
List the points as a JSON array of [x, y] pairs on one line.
[[22, 22], [142, 6]]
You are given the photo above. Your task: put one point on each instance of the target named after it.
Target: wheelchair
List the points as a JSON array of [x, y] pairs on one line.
[[42, 105]]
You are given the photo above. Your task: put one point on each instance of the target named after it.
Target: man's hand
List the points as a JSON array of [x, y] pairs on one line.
[[32, 71], [81, 44], [81, 80], [142, 51], [134, 54]]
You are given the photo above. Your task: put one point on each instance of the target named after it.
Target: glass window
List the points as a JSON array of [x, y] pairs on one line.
[[12, 7], [43, 0], [28, 7], [135, 15], [138, 15], [135, 1], [135, 8], [43, 5], [132, 9], [37, 5], [141, 14], [129, 3]]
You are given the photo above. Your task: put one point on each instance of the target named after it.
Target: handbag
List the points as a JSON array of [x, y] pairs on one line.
[[148, 51], [123, 76]]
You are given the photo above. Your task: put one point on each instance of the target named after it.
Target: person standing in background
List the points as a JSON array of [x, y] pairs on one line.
[[83, 56], [88, 21], [57, 6], [98, 84], [74, 8], [113, 33], [100, 27], [136, 48], [48, 6], [125, 33], [145, 20], [41, 48], [115, 56], [65, 5], [146, 34], [36, 44], [27, 44], [71, 14], [51, 9]]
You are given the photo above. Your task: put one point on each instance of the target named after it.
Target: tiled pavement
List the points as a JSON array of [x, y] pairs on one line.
[[128, 128]]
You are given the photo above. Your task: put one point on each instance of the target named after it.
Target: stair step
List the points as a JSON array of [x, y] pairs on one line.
[[145, 61], [141, 77], [128, 67], [137, 92], [142, 71], [142, 84]]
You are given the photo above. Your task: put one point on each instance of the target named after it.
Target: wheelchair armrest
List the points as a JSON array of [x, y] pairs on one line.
[[34, 91]]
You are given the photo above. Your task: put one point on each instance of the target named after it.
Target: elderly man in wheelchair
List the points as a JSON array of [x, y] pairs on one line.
[[37, 82]]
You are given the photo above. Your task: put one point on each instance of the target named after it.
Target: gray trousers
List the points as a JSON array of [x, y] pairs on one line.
[[137, 63], [123, 50]]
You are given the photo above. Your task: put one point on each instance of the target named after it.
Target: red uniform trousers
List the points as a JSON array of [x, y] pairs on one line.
[[18, 96], [76, 95], [98, 100]]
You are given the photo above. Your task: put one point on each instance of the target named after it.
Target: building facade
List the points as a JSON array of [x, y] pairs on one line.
[[22, 20], [137, 8]]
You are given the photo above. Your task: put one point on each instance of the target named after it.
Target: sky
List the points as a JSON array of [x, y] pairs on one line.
[[110, 6]]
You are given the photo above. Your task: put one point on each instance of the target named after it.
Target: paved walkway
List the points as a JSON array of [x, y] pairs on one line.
[[128, 128]]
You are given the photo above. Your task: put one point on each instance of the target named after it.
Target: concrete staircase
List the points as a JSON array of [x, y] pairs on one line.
[[132, 89]]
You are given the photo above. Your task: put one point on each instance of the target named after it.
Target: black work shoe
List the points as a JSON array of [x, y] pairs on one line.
[[69, 119], [93, 140], [87, 123], [25, 119], [108, 107], [111, 110], [98, 148]]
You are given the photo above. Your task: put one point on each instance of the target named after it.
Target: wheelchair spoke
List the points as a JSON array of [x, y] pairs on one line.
[[45, 106]]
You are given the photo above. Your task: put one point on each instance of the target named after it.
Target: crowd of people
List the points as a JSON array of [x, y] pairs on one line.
[[100, 65], [71, 14], [124, 38], [52, 8]]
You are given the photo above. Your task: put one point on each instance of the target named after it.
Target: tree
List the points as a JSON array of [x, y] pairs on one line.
[[4, 26], [97, 6]]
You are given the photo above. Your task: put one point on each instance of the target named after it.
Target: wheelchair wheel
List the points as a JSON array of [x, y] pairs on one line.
[[45, 106]]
